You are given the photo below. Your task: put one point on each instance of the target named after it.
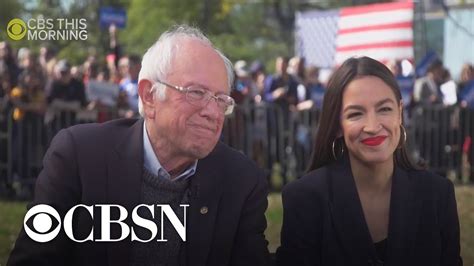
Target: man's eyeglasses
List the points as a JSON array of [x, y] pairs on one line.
[[198, 96]]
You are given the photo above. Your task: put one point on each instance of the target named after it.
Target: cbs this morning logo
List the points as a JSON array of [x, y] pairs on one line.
[[44, 229], [65, 29]]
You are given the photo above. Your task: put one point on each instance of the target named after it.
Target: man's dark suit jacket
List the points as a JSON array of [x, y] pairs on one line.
[[324, 224], [103, 163]]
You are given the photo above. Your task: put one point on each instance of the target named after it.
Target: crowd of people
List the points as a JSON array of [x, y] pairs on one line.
[[298, 86], [31, 82], [32, 85], [362, 202]]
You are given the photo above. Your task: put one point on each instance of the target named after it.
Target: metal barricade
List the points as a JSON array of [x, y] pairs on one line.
[[6, 164], [438, 136], [259, 131], [280, 142], [305, 124], [24, 141], [277, 141]]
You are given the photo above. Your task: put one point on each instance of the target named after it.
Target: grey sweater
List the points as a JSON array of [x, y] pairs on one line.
[[160, 190]]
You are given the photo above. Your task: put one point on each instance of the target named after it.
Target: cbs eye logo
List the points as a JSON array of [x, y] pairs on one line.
[[42, 223], [16, 29]]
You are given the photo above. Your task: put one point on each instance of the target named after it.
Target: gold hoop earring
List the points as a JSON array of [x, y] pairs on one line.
[[334, 150], [404, 136]]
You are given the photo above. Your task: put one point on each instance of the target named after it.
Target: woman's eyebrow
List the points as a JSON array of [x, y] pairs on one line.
[[381, 102], [360, 108]]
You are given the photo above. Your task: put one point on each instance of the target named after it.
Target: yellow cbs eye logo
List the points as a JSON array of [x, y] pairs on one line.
[[16, 29]]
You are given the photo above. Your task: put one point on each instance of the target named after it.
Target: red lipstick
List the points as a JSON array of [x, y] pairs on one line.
[[375, 141]]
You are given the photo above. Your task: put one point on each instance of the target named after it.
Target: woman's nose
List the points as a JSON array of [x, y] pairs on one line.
[[372, 125]]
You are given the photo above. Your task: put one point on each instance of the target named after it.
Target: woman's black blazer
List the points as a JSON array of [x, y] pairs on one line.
[[324, 224]]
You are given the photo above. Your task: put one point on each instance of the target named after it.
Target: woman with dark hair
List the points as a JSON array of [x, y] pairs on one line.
[[363, 202]]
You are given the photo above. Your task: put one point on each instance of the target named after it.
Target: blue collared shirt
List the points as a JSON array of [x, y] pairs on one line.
[[153, 165]]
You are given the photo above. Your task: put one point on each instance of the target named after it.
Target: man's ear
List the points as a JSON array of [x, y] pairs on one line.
[[147, 97]]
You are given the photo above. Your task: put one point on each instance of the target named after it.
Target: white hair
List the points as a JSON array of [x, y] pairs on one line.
[[157, 60]]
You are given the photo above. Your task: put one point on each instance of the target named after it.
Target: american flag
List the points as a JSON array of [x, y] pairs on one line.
[[381, 31]]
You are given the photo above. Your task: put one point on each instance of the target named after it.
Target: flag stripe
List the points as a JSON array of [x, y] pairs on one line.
[[399, 25], [376, 45], [378, 54], [381, 31], [374, 36], [375, 8], [380, 18]]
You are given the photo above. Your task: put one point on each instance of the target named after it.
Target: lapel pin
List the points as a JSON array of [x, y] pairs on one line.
[[204, 210]]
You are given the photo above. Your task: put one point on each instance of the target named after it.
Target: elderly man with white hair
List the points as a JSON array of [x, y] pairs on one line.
[[170, 158]]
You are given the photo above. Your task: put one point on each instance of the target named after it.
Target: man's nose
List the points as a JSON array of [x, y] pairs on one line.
[[211, 109]]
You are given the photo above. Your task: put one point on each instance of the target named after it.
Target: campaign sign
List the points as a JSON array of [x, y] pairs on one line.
[[106, 93], [111, 15]]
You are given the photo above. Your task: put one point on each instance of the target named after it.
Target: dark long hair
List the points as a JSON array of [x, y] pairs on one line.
[[329, 124]]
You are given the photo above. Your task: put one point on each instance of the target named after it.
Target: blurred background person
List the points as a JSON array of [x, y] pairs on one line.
[[102, 93], [466, 86], [123, 69], [313, 90], [449, 89], [296, 68], [281, 87], [10, 66], [48, 61], [29, 94], [257, 83], [28, 101], [129, 85], [427, 89], [406, 84], [241, 91], [66, 88]]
